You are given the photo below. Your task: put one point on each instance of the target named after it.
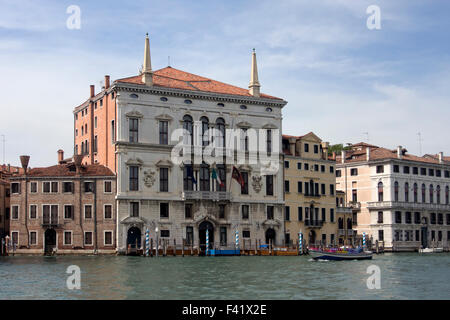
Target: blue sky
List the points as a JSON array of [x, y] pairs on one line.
[[340, 78]]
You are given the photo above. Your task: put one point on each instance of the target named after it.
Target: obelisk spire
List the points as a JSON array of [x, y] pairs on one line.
[[147, 73], [254, 85]]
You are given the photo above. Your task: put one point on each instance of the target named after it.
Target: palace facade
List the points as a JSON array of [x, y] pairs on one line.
[[401, 199], [154, 129]]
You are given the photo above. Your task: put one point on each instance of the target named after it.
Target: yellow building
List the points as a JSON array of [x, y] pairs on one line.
[[310, 195]]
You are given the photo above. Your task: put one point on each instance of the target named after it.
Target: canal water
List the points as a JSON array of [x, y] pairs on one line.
[[403, 276]]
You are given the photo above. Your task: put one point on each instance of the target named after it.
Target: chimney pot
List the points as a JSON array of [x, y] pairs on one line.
[[60, 156], [24, 160], [367, 153], [77, 159], [343, 156], [92, 90], [441, 157], [399, 152], [106, 82]]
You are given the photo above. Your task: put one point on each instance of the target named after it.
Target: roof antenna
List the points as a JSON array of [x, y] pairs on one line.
[[367, 134], [168, 61], [420, 144]]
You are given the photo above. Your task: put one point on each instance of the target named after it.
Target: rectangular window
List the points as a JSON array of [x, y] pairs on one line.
[[134, 178], [406, 170], [431, 172], [396, 168], [331, 169], [287, 213], [438, 173], [108, 238], [354, 195], [108, 211], [322, 168], [88, 238], [54, 187], [46, 187], [316, 148], [88, 211], [322, 188], [68, 212], [15, 187], [164, 210], [33, 211], [113, 132], [188, 211], [221, 211], [286, 186], [67, 237], [300, 213], [244, 188], [189, 235], [68, 187], [415, 170], [223, 236], [316, 167], [306, 146], [332, 189], [380, 169], [88, 186], [15, 237], [306, 166], [331, 215], [33, 238], [270, 212], [398, 217], [354, 172], [299, 165], [33, 187], [286, 164], [338, 173], [14, 212], [246, 234], [134, 129], [380, 217], [269, 185], [165, 233], [324, 215], [423, 171], [299, 187], [408, 217], [108, 187], [245, 212], [164, 179], [269, 142], [163, 132], [380, 235], [134, 209]]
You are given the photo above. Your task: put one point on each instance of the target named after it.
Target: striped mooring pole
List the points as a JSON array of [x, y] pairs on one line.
[[364, 239], [147, 242], [237, 239], [300, 242], [207, 241]]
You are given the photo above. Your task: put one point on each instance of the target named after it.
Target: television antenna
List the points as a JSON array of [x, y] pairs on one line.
[[420, 143]]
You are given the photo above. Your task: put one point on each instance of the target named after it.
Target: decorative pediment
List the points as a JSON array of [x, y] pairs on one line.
[[134, 162], [164, 163], [133, 221], [269, 126], [272, 223], [244, 124], [205, 217], [311, 137], [164, 117], [134, 114]]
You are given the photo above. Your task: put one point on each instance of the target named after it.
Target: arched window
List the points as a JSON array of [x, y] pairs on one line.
[[438, 194], [205, 133], [380, 191], [446, 195], [396, 191], [431, 193], [406, 192], [423, 193], [349, 224], [187, 125], [415, 192], [341, 223], [220, 133]]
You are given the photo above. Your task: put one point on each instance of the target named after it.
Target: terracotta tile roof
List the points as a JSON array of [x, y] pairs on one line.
[[173, 78], [379, 153], [67, 170]]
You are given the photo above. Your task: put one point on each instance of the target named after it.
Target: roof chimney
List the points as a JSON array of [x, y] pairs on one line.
[[147, 73], [441, 157], [334, 155], [325, 146], [343, 156], [399, 152], [24, 160], [367, 153], [106, 82], [77, 160], [60, 156], [254, 85], [92, 91]]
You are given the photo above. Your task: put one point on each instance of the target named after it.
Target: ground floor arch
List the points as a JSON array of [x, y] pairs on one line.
[[134, 237]]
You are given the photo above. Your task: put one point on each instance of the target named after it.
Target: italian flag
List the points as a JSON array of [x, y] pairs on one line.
[[216, 177]]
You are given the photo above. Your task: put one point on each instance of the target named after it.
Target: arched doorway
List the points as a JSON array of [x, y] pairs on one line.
[[50, 241], [312, 237], [205, 225], [270, 235], [134, 237]]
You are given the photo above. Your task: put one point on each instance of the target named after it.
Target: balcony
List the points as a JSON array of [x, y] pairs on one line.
[[343, 210], [206, 195], [341, 232], [407, 206], [355, 205], [50, 223], [314, 223]]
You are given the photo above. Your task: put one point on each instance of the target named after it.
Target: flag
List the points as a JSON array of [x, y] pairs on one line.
[[216, 177], [237, 175], [190, 174]]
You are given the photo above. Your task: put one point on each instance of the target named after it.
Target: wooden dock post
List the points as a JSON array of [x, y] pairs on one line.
[[192, 248], [182, 248], [174, 247], [151, 247], [377, 249], [270, 247]]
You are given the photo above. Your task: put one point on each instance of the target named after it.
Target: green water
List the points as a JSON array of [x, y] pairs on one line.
[[403, 276]]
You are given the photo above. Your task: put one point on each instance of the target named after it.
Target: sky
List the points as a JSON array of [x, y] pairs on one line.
[[343, 81]]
